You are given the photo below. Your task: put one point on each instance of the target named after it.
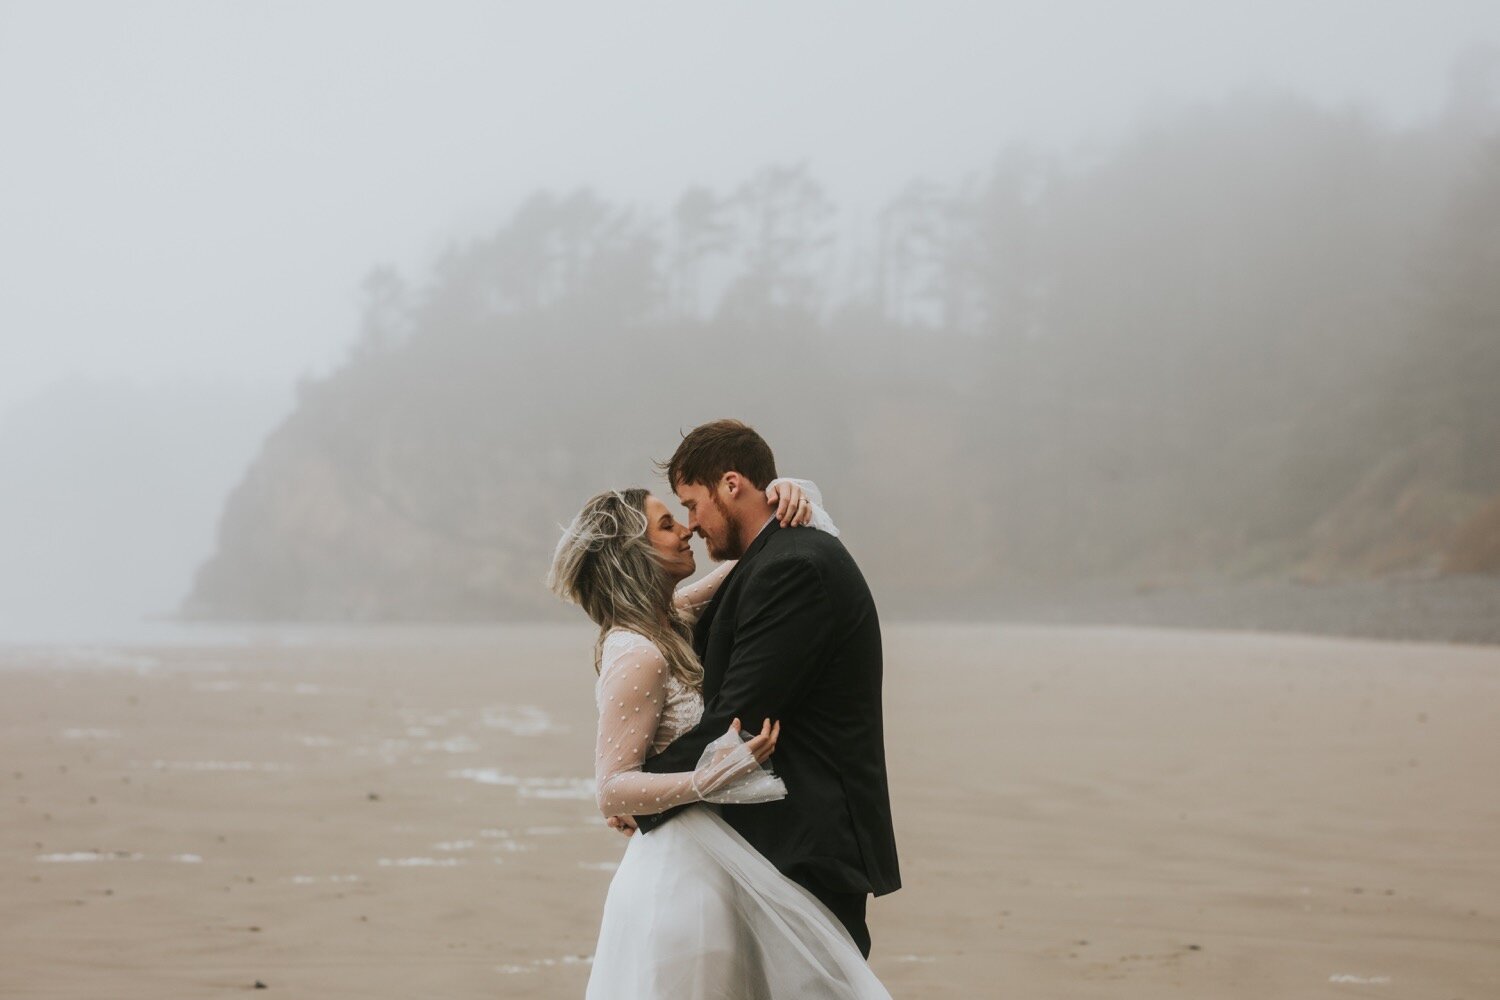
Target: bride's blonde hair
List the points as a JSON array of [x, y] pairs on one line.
[[606, 565]]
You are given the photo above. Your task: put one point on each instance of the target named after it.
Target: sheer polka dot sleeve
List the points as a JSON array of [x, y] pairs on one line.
[[692, 598], [631, 694]]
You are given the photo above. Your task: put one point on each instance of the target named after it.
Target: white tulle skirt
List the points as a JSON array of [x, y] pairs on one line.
[[695, 913]]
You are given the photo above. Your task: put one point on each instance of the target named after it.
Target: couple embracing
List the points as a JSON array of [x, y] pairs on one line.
[[741, 881]]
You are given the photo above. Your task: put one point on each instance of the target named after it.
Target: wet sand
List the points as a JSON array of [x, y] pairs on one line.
[[1081, 812]]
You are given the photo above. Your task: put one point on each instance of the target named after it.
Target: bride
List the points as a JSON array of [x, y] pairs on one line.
[[693, 910]]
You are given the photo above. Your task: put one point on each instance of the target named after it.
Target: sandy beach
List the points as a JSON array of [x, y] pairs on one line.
[[1081, 812]]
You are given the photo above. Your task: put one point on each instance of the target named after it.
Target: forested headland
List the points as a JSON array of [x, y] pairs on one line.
[[1254, 339]]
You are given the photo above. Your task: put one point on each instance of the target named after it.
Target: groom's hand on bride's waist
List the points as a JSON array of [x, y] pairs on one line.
[[625, 824]]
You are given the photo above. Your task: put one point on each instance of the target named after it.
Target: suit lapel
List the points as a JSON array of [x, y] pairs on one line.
[[706, 619]]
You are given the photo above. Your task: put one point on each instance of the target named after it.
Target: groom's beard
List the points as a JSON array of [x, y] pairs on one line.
[[730, 548]]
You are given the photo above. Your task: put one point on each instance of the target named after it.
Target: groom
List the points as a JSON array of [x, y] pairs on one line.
[[792, 635]]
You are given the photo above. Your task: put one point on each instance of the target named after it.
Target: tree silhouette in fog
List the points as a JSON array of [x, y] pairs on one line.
[[1255, 338], [784, 225]]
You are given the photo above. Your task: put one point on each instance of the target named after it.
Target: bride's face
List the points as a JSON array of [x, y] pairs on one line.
[[672, 540]]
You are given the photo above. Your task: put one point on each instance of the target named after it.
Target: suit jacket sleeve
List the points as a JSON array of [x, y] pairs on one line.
[[783, 631]]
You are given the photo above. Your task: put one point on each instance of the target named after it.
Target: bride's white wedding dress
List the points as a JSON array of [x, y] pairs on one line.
[[694, 912]]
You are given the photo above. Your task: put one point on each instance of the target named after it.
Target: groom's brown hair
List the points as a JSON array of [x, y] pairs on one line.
[[710, 450]]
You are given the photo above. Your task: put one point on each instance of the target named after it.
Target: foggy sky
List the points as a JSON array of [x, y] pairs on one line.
[[191, 192], [195, 189]]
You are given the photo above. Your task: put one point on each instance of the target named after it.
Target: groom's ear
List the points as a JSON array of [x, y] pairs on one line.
[[734, 482]]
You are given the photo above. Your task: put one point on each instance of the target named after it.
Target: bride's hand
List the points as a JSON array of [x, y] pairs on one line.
[[792, 506], [763, 745], [733, 770], [760, 746]]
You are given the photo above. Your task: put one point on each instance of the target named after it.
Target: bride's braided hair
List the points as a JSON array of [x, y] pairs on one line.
[[606, 565]]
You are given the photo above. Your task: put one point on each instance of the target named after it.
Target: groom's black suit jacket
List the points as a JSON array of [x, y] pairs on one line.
[[792, 635]]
